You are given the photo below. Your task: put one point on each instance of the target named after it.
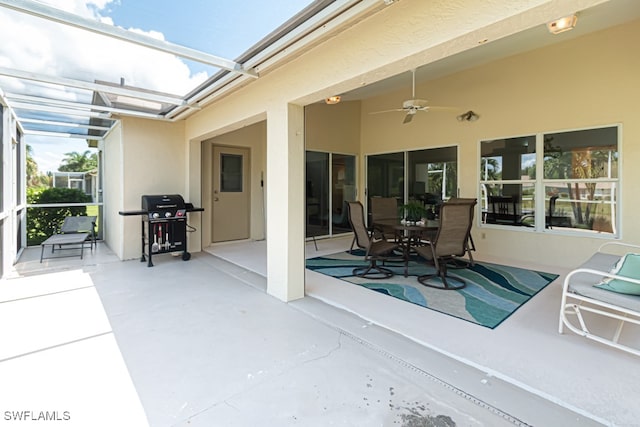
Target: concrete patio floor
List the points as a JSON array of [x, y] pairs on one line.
[[200, 343]]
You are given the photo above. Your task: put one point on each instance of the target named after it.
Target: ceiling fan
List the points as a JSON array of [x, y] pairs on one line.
[[413, 105]]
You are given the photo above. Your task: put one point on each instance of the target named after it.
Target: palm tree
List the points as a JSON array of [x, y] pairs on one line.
[[490, 169], [77, 162]]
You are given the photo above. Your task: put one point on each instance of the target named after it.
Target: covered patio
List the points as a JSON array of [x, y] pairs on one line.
[[186, 344], [243, 334]]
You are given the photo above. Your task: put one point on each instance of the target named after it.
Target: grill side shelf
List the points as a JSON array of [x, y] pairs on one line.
[[133, 213]]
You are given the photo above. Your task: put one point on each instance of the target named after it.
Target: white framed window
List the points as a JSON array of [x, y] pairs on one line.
[[564, 181]]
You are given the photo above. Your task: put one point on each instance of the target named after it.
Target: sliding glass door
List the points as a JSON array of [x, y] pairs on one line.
[[330, 183], [429, 176]]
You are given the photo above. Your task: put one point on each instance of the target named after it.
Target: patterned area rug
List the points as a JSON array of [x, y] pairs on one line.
[[492, 294]]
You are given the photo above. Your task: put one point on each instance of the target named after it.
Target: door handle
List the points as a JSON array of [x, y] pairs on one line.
[[215, 199]]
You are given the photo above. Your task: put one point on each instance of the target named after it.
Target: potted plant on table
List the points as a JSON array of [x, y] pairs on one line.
[[412, 211]]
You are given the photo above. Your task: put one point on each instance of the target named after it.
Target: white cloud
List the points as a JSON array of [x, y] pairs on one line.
[[41, 46], [46, 47]]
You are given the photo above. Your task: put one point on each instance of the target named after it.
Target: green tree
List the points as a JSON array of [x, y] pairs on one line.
[[79, 162], [35, 179]]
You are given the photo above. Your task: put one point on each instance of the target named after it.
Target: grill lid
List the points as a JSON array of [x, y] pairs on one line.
[[170, 202]]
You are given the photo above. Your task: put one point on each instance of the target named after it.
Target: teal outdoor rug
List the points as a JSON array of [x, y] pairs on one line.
[[492, 294]]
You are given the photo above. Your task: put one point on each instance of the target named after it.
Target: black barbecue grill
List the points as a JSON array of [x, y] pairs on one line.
[[164, 225]]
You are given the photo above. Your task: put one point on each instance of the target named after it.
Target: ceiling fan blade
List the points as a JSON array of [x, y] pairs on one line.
[[408, 118], [388, 111]]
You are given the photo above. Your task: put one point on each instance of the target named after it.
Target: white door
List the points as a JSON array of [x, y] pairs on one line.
[[231, 194]]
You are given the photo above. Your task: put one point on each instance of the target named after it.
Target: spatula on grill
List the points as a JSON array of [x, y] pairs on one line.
[[154, 246]]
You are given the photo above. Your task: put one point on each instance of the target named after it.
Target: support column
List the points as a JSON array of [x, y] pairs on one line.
[[285, 201]]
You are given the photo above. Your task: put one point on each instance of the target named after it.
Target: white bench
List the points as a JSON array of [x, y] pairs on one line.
[[579, 296]]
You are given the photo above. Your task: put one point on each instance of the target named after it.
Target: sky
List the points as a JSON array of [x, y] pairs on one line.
[[222, 28]]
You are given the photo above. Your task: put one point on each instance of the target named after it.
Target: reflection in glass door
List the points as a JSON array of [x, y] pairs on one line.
[[330, 183], [385, 177], [431, 176], [343, 190]]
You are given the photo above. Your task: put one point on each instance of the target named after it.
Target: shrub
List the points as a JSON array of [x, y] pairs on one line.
[[44, 222]]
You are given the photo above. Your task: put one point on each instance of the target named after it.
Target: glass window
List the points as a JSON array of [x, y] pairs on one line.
[[331, 183], [431, 176], [507, 171], [385, 175], [317, 193], [581, 180], [230, 173], [576, 183], [343, 190]]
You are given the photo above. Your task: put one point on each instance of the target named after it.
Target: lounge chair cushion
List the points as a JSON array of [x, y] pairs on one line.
[[627, 266]]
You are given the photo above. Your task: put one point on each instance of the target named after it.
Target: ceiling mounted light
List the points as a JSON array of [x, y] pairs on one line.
[[469, 116], [563, 24], [332, 99]]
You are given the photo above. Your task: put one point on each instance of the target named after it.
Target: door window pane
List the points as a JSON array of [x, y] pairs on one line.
[[317, 193], [433, 174], [385, 177], [343, 190], [230, 173], [331, 183]]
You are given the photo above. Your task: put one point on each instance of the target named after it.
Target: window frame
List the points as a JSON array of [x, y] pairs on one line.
[[541, 182]]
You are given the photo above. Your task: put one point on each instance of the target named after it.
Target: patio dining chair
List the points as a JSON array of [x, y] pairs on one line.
[[375, 246], [451, 241], [384, 209], [471, 246]]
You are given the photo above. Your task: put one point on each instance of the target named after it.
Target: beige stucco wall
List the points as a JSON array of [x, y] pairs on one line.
[[112, 190], [578, 84], [154, 162], [333, 128]]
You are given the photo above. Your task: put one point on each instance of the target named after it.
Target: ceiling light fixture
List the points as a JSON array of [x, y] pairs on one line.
[[332, 99], [469, 116], [563, 24]]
